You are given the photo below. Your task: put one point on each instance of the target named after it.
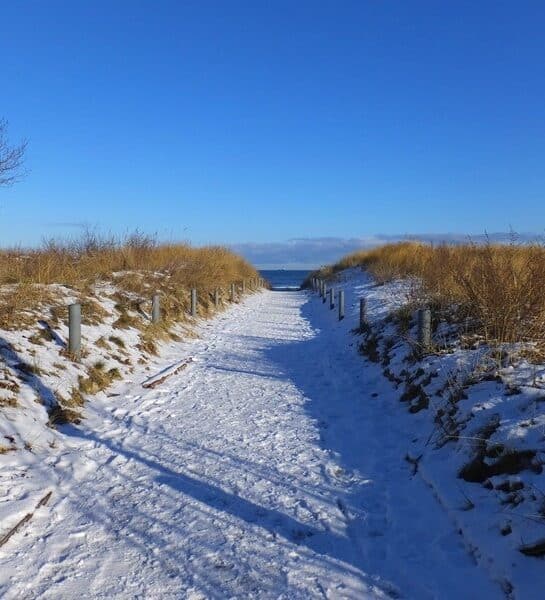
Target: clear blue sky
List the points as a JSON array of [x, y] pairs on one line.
[[261, 121]]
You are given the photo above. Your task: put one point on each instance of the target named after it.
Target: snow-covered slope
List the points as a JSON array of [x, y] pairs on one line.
[[278, 463], [475, 419]]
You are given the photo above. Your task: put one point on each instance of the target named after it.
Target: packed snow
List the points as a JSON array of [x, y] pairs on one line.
[[277, 463]]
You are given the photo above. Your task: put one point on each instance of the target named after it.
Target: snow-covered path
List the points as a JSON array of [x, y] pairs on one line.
[[272, 467]]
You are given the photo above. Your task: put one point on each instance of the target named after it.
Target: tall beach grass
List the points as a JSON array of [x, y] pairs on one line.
[[137, 265], [500, 288]]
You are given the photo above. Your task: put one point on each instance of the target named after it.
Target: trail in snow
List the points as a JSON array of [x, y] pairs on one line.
[[272, 467]]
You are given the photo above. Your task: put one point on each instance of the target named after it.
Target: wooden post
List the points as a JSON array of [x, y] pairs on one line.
[[74, 330], [243, 288], [362, 314], [331, 298], [424, 330], [155, 308], [193, 302], [341, 305], [233, 293], [216, 297], [324, 296]]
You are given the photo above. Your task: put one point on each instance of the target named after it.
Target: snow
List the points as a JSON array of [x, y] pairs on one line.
[[274, 465]]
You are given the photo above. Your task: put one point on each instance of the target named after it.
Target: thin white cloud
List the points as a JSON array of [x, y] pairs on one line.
[[309, 253]]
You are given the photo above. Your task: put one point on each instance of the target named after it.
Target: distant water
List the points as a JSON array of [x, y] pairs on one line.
[[284, 279]]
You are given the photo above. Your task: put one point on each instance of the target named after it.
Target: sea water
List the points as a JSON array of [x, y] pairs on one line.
[[283, 279]]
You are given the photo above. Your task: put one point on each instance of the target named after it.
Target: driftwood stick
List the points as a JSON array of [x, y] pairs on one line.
[[24, 520], [151, 383]]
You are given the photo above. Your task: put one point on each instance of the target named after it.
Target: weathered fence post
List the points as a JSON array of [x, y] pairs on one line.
[[155, 308], [233, 293], [324, 296], [362, 314], [216, 297], [243, 287], [193, 302], [424, 330], [341, 305], [74, 330], [331, 298]]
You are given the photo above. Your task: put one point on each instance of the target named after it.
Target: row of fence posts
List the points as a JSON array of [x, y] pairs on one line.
[[424, 338], [74, 311], [319, 285]]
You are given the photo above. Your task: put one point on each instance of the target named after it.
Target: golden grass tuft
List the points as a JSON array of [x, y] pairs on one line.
[[98, 379]]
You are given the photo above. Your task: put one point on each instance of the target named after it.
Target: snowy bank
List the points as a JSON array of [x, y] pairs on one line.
[[477, 420]]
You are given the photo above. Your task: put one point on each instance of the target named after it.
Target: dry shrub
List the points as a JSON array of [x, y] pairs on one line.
[[500, 287]]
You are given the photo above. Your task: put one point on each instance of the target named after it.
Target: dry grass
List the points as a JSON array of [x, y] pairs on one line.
[[499, 288], [91, 258], [98, 379], [138, 266]]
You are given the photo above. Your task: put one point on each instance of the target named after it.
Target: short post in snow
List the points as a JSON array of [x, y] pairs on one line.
[[155, 308], [233, 293], [243, 288], [314, 283], [193, 302], [74, 330], [341, 305], [324, 295], [331, 298], [424, 330], [363, 319], [216, 297]]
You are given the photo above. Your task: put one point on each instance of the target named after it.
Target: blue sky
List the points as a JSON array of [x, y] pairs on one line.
[[263, 121]]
